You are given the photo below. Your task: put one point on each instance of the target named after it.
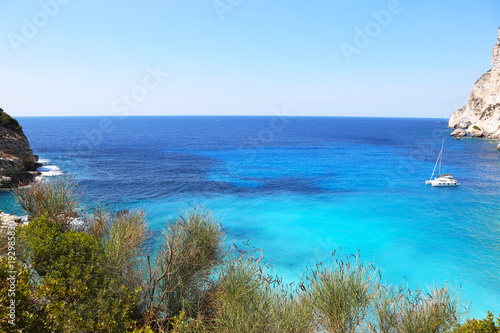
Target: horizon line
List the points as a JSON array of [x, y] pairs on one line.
[[209, 115]]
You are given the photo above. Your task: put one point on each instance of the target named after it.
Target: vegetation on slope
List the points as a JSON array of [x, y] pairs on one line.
[[7, 121], [486, 325], [90, 270]]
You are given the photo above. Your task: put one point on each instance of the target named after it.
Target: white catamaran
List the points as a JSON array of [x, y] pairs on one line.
[[442, 180]]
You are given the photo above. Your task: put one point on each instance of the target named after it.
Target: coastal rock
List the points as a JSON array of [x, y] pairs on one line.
[[7, 218], [18, 164], [498, 147], [483, 107], [458, 132], [475, 132]]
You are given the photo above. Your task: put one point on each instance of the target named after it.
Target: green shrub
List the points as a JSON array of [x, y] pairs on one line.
[[486, 325], [249, 299], [242, 297], [58, 199], [97, 278], [436, 311], [290, 311], [29, 312], [179, 277], [71, 280], [7, 121], [341, 296], [123, 235], [349, 297], [476, 128]]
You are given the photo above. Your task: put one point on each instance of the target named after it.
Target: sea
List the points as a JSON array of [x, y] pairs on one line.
[[300, 188]]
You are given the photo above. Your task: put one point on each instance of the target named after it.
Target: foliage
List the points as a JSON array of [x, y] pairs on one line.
[[29, 314], [97, 278], [476, 128], [438, 311], [4, 239], [71, 280], [486, 325], [145, 329], [123, 235], [249, 299], [489, 111], [180, 276], [7, 121], [183, 324], [406, 310], [341, 296], [59, 199]]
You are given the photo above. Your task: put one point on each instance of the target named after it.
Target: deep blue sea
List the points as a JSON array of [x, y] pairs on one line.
[[301, 187]]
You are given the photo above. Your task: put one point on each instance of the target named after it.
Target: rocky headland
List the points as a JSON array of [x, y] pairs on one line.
[[18, 164], [481, 116]]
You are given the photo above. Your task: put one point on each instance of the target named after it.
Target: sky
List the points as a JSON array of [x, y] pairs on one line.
[[379, 58]]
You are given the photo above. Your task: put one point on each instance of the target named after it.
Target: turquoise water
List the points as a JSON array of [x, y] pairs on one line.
[[302, 187]]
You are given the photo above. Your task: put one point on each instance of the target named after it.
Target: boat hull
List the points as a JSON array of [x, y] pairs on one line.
[[445, 184], [442, 182]]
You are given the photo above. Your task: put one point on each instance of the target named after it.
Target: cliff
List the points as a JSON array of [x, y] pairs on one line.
[[17, 162], [481, 116]]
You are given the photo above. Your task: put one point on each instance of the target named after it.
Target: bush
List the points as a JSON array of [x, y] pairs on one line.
[[341, 296], [486, 325], [97, 278], [249, 299], [350, 297], [123, 235], [29, 312], [180, 276], [71, 280], [59, 199], [7, 121], [437, 311]]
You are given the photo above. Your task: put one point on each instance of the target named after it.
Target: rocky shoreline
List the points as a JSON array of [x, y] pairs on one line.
[[9, 218], [480, 118], [18, 164]]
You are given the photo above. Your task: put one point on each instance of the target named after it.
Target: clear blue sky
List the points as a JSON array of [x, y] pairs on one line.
[[243, 57]]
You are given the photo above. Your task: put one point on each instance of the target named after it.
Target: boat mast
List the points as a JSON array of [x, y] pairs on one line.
[[435, 165], [441, 160]]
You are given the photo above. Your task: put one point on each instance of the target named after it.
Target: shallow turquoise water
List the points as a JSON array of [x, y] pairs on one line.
[[303, 191]]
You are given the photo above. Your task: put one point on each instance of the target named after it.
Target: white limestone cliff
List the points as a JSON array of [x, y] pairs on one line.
[[481, 115]]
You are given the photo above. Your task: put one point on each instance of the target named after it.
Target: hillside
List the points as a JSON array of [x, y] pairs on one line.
[[17, 162]]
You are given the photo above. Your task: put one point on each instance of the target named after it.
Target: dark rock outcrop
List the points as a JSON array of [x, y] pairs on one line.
[[18, 164]]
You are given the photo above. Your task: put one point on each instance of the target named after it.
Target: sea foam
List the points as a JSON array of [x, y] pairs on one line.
[[49, 171]]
